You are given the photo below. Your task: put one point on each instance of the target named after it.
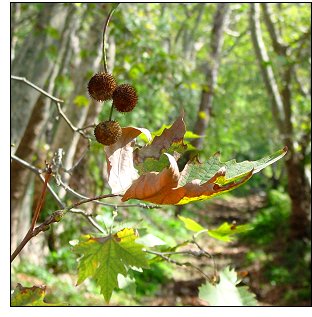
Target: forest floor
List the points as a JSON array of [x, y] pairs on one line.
[[183, 288]]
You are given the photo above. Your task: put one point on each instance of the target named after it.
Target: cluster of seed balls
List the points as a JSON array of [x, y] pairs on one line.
[[102, 87]]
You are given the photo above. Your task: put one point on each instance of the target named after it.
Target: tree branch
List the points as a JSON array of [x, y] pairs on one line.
[[182, 264], [57, 102], [55, 217], [23, 79]]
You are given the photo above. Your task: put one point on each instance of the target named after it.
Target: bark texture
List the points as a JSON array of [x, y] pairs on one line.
[[32, 61], [37, 118]]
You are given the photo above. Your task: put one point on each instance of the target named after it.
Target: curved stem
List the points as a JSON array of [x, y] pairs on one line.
[[104, 36]]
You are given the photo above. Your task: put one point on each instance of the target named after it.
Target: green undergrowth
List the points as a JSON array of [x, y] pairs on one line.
[[285, 264]]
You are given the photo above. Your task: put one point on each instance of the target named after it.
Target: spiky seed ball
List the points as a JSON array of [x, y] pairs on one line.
[[125, 98], [101, 86], [107, 132]]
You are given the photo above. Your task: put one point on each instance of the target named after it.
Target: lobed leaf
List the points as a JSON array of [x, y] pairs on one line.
[[103, 258], [162, 172]]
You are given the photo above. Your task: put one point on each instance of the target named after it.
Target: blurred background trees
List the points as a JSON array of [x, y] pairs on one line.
[[241, 72]]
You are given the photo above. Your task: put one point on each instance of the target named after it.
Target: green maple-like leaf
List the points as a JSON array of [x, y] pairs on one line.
[[30, 296], [226, 292], [103, 258]]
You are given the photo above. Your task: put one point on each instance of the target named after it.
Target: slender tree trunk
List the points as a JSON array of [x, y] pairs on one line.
[[281, 109], [73, 144], [15, 13], [205, 107], [220, 21]]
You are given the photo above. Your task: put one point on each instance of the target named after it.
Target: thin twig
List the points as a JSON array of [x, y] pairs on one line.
[[38, 172], [56, 100], [37, 88], [206, 253], [79, 195], [71, 209], [83, 201], [41, 199], [111, 112], [87, 127], [164, 257]]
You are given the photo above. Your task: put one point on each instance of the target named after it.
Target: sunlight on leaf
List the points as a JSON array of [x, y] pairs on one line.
[[120, 167], [226, 292], [226, 231], [103, 258], [156, 174], [191, 224]]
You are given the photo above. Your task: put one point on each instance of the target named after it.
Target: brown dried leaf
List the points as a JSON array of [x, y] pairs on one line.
[[163, 142], [119, 156]]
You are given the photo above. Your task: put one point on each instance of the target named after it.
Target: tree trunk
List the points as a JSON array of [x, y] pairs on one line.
[[32, 61], [27, 147], [217, 35], [281, 109]]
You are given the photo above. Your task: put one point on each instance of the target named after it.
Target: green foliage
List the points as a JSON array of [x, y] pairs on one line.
[[225, 231], [149, 281], [61, 261], [226, 292], [191, 224], [270, 222], [81, 101], [103, 258], [163, 49]]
